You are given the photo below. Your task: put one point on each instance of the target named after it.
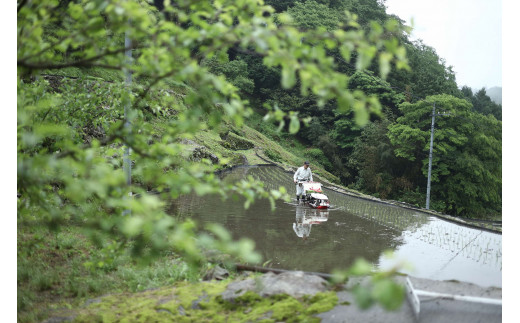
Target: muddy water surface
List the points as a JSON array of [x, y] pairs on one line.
[[298, 237]]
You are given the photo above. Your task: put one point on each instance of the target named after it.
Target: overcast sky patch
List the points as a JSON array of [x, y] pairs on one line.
[[466, 33]]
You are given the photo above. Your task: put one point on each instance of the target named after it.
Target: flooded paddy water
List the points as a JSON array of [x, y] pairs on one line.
[[297, 237]]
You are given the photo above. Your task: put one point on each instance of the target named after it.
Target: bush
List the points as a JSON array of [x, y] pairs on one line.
[[318, 156], [414, 197], [273, 155], [236, 142]]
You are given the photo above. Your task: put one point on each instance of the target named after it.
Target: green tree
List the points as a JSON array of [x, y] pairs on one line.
[[62, 176], [235, 71], [466, 167], [367, 10], [280, 5], [312, 15], [266, 79], [345, 131], [379, 171], [482, 102], [367, 82], [430, 74]]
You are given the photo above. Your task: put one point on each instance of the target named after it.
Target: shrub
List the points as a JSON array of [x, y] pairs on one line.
[[273, 155], [318, 156]]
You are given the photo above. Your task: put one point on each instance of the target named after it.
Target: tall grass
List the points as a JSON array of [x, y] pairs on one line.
[[53, 271]]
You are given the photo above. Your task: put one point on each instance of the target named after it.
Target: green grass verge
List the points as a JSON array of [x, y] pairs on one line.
[[55, 281], [53, 271]]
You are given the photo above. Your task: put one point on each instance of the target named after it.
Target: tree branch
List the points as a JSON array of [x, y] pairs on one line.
[[81, 63], [21, 5], [248, 52], [54, 44], [149, 87], [50, 66], [103, 142]]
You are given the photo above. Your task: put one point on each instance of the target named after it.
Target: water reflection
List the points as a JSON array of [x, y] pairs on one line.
[[334, 243], [471, 243], [305, 218], [353, 228]]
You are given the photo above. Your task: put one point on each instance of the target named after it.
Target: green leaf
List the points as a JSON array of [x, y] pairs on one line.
[[288, 77], [389, 294], [384, 64], [75, 10], [294, 125], [276, 194], [221, 233], [362, 296], [346, 51], [360, 113], [366, 54], [132, 226], [361, 267]]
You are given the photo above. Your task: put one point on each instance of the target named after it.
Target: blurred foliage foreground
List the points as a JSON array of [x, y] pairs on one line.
[[71, 134]]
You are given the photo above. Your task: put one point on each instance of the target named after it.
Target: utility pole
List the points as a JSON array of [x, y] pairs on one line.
[[127, 164], [428, 187]]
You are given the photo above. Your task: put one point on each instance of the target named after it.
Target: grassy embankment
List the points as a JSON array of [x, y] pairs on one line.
[[54, 271], [54, 281]]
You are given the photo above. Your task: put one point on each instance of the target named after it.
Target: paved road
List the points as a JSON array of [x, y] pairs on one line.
[[432, 310]]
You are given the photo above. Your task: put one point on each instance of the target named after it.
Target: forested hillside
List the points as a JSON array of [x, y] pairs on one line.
[[369, 157]]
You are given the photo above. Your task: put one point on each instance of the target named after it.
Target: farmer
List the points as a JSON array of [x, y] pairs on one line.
[[302, 174]]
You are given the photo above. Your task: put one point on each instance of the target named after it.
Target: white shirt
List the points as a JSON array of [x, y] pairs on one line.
[[303, 173], [302, 229]]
